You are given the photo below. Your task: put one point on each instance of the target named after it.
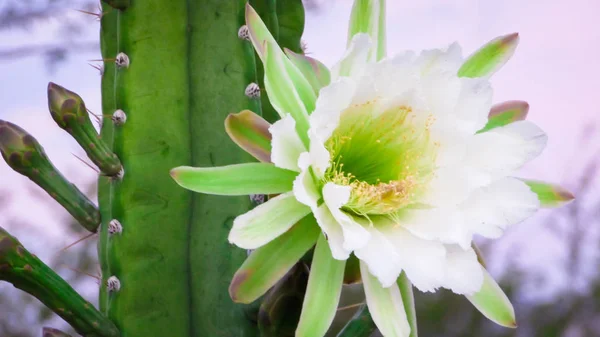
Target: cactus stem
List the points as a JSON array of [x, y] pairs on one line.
[[115, 227], [122, 60], [26, 272], [113, 284], [119, 117], [118, 4], [252, 90]]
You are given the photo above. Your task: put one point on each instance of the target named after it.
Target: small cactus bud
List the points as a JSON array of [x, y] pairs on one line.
[[119, 117], [69, 112], [244, 33], [25, 155], [113, 284], [122, 60], [115, 227], [252, 90]]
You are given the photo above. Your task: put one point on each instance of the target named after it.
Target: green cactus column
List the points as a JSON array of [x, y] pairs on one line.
[[175, 69]]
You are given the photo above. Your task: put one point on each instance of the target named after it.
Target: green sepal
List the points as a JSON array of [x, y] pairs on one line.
[[505, 113], [408, 300], [315, 72], [26, 272], [251, 133], [239, 179], [269, 263], [490, 58], [352, 270], [69, 112], [491, 301], [26, 156], [368, 16], [322, 293], [550, 195]]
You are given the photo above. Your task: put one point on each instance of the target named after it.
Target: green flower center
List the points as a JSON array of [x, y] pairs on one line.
[[386, 157]]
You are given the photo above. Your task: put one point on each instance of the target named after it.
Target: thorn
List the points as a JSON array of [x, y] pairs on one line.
[[351, 306], [86, 163], [98, 67], [97, 15], [82, 272], [73, 244]]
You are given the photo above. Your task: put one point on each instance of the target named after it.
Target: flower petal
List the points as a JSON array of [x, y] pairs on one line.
[[267, 221], [368, 16], [355, 59], [355, 235], [440, 60], [333, 99], [286, 144], [502, 150], [315, 72], [269, 263], [381, 257], [491, 301], [385, 305], [549, 195], [491, 209], [333, 232], [305, 189], [427, 271], [463, 272], [505, 113], [240, 179], [251, 133], [491, 57], [322, 293]]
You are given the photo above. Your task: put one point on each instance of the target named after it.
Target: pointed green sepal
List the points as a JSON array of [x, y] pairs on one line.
[[323, 292], [26, 272], [239, 179], [69, 112], [368, 16], [408, 299], [550, 195], [295, 96], [479, 254], [50, 332], [315, 72], [361, 324], [505, 113], [269, 263], [251, 133], [491, 57], [25, 155], [491, 301], [282, 92], [280, 309]]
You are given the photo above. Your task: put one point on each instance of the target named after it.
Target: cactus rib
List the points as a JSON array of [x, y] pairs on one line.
[[24, 154], [28, 273]]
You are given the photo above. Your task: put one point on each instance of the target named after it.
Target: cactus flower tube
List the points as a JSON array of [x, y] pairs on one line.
[[397, 161]]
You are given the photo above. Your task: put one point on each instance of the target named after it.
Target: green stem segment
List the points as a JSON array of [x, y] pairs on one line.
[[69, 112], [28, 273], [25, 155], [118, 4], [361, 325]]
